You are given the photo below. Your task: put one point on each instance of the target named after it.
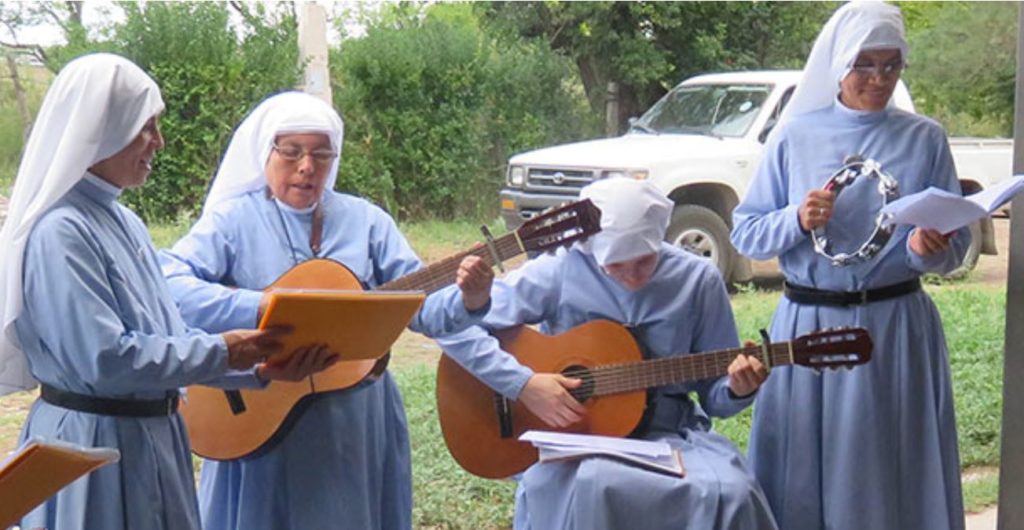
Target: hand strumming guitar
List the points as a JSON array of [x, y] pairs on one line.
[[547, 397]]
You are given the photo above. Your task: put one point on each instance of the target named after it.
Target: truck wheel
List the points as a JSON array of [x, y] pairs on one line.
[[972, 254], [701, 231]]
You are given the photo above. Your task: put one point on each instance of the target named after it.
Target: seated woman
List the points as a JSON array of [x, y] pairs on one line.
[[345, 461], [676, 304], [87, 313]]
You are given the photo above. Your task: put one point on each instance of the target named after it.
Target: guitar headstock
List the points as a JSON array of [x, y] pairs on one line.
[[560, 227], [832, 348]]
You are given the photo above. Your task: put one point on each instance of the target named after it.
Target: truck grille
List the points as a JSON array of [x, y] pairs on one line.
[[558, 180]]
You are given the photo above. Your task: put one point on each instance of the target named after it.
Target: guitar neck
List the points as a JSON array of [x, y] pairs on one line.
[[442, 273], [634, 376]]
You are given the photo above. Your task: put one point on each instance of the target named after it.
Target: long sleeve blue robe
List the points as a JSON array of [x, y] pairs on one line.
[[99, 320], [874, 447], [683, 309], [345, 461]]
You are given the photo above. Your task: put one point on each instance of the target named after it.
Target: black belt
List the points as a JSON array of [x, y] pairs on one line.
[[811, 296], [140, 408]]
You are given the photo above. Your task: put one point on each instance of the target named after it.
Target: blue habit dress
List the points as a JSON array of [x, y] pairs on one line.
[[683, 309], [874, 447], [99, 320], [345, 462]]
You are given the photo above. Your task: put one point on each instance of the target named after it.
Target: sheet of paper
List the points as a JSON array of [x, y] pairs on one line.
[[944, 211], [594, 442], [936, 209], [995, 196]]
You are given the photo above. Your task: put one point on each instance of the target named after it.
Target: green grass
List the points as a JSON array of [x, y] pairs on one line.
[[981, 492]]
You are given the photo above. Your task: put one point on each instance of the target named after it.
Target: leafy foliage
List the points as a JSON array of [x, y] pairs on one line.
[[963, 64], [433, 108], [210, 77], [648, 47]]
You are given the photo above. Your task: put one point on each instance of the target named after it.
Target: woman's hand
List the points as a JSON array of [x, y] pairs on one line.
[[474, 279], [246, 347], [303, 363], [816, 209], [746, 373], [547, 397], [925, 242]]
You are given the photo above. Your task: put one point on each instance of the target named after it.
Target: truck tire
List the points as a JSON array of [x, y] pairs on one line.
[[971, 256], [702, 232]]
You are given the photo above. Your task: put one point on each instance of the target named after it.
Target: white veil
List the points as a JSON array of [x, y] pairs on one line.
[[854, 27], [95, 107], [242, 168]]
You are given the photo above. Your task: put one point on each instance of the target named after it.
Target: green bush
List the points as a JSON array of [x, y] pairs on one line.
[[210, 78], [433, 108]]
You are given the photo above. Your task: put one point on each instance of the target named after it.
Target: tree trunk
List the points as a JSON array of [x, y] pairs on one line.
[[19, 94]]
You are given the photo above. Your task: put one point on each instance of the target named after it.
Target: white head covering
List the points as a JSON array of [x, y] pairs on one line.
[[854, 27], [634, 217], [242, 169], [95, 107]]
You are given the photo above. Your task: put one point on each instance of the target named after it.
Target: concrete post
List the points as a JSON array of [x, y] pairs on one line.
[[312, 19], [1011, 459]]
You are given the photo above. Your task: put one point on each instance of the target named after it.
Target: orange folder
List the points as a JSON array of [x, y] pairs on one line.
[[39, 470], [359, 325]]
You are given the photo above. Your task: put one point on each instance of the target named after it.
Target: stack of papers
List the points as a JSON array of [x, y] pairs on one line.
[[38, 470], [944, 211], [654, 455]]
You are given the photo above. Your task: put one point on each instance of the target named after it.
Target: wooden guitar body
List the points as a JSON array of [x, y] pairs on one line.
[[219, 433], [473, 430], [228, 425], [482, 429]]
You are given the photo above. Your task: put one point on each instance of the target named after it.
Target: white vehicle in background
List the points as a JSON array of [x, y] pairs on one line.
[[701, 143]]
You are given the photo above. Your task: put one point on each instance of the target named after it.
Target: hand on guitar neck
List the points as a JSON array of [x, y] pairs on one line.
[[474, 279], [746, 373]]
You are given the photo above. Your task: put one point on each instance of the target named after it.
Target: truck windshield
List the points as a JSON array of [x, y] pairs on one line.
[[715, 110]]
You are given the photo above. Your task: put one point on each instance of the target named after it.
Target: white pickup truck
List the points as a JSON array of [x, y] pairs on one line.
[[701, 143]]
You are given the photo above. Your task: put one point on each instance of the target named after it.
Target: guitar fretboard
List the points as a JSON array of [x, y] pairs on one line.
[[634, 376], [442, 273]]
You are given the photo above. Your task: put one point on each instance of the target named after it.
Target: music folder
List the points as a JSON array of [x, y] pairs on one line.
[[38, 470], [359, 325]]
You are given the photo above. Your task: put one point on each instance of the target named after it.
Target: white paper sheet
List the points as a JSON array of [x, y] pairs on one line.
[[944, 211]]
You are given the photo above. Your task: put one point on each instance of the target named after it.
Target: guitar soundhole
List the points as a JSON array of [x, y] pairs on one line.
[[586, 390]]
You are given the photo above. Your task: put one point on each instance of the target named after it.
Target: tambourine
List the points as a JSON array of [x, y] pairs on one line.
[[855, 167]]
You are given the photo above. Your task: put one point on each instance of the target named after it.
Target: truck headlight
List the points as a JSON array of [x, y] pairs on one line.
[[635, 174], [516, 175]]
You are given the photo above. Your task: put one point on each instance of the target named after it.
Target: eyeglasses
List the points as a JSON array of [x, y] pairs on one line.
[[292, 153], [880, 70]]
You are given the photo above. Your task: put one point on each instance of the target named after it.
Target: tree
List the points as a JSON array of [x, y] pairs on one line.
[[648, 47], [433, 107], [963, 64]]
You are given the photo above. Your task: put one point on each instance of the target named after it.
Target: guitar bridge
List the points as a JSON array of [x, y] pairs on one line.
[[503, 408], [235, 401]]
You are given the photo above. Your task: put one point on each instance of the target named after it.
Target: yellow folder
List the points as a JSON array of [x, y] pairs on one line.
[[359, 325], [38, 470]]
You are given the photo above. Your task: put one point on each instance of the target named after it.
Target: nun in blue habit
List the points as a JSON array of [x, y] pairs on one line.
[[874, 447], [345, 461], [676, 304], [87, 314]]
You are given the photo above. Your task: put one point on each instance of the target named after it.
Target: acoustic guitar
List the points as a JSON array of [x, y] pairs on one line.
[[481, 428], [224, 425]]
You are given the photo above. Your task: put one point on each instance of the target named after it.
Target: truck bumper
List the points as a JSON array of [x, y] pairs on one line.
[[518, 206]]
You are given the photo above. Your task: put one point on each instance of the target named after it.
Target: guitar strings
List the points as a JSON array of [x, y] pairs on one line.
[[626, 377]]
